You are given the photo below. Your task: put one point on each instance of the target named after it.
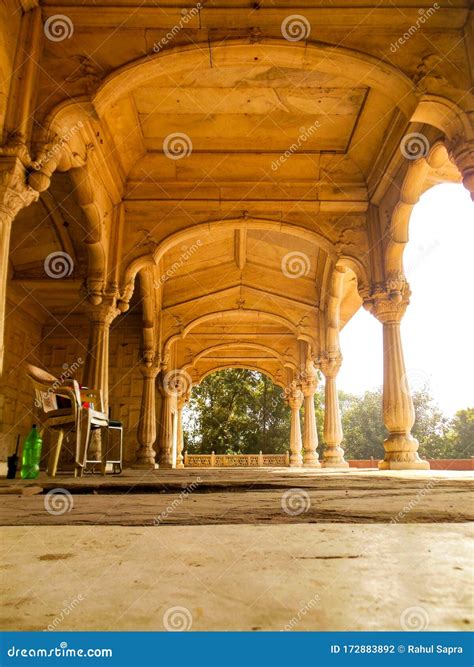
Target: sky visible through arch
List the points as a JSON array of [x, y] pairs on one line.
[[438, 327]]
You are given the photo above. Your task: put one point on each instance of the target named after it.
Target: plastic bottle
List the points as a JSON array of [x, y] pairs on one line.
[[31, 455]]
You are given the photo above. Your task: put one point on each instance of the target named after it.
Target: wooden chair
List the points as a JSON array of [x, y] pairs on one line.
[[75, 417]]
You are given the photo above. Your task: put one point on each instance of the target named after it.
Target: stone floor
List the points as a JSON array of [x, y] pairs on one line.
[[238, 550]]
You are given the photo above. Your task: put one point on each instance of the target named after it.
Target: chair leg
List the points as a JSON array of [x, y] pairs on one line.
[[54, 454], [83, 431], [104, 449]]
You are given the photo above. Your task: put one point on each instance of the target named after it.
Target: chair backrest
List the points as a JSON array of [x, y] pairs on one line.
[[47, 387], [94, 397]]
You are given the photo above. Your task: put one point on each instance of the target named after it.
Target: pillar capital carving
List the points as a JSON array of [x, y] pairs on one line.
[[388, 301], [149, 371], [103, 313], [294, 396], [330, 363], [15, 194], [461, 152]]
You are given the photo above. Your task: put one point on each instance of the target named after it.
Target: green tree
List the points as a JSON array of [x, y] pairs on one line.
[[461, 434]]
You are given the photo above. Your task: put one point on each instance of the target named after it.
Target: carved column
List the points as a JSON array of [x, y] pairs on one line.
[[295, 401], [181, 402], [96, 368], [146, 432], [310, 434], [165, 452], [14, 195], [461, 153], [333, 456], [388, 304]]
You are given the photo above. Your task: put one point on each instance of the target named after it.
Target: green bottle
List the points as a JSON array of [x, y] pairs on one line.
[[31, 455]]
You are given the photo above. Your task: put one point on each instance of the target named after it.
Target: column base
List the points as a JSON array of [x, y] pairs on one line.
[[401, 453], [335, 464], [296, 461], [165, 465], [404, 465], [143, 465], [311, 461]]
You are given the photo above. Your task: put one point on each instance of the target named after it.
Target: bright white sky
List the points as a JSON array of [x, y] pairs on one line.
[[438, 327]]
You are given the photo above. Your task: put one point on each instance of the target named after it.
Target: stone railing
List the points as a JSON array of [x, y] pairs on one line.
[[236, 460]]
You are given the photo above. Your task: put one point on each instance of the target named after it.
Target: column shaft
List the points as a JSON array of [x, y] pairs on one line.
[[333, 456], [295, 402], [310, 433], [146, 433]]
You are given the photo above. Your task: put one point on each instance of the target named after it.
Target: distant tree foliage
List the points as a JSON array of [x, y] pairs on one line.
[[241, 411]]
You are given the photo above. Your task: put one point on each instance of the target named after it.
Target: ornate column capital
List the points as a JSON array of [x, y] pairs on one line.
[[15, 194], [294, 396], [461, 152], [148, 371], [330, 363], [103, 313], [388, 301]]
